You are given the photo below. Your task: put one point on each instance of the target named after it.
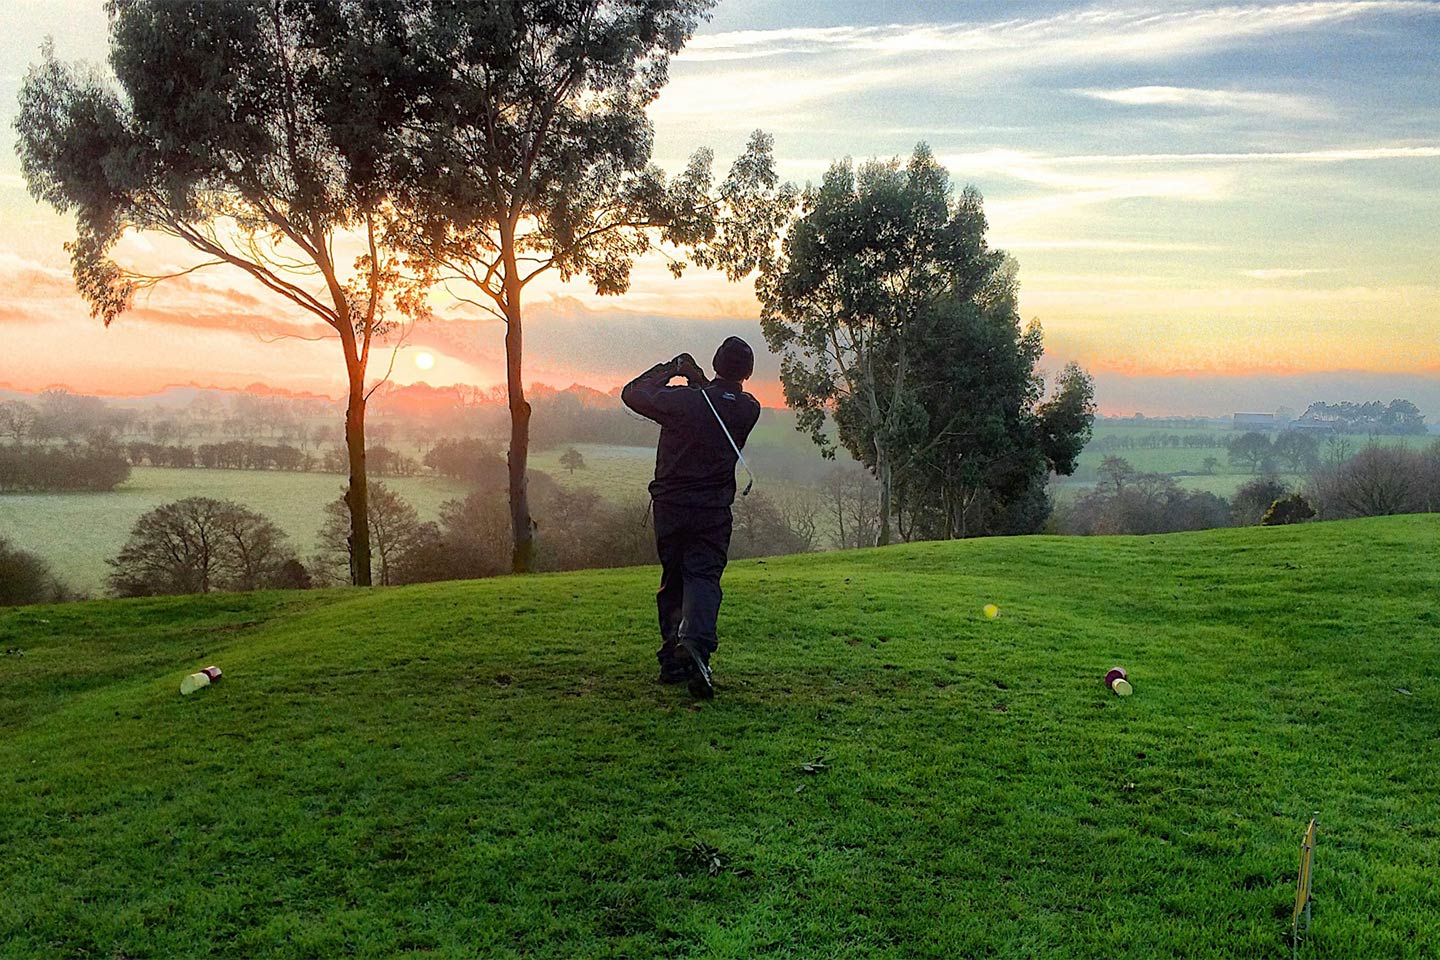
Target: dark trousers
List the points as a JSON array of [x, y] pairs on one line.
[[693, 543]]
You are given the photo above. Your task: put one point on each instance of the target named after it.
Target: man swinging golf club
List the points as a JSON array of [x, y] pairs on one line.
[[703, 426]]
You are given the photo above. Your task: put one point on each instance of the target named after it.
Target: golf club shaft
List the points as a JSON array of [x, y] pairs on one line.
[[733, 446]]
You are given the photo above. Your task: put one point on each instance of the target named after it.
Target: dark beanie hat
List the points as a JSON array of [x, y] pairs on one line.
[[734, 360]]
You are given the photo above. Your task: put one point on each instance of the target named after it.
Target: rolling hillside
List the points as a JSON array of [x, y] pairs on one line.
[[487, 770]]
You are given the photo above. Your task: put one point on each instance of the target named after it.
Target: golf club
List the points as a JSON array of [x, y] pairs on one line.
[[748, 472]]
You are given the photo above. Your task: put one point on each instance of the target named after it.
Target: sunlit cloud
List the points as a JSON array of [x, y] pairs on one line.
[[1077, 181], [1190, 97]]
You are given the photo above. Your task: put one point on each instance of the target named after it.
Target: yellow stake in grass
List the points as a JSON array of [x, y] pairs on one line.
[[1302, 888], [991, 611]]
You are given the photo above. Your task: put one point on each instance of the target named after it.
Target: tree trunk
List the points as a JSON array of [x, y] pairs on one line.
[[522, 560], [357, 495], [884, 474]]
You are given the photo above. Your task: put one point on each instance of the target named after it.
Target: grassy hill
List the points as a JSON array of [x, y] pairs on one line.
[[486, 770]]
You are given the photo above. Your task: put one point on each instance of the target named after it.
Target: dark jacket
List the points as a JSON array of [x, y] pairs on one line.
[[694, 463]]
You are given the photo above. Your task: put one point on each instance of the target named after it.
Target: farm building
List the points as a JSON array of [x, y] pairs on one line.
[[1253, 421]]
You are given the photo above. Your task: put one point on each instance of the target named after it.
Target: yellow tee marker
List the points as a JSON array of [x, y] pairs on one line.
[[991, 611]]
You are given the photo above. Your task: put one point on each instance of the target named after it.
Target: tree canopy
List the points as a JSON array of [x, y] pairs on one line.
[[894, 318], [534, 155], [239, 130]]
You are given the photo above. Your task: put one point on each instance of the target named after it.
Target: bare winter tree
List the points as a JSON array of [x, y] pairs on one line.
[[394, 524], [1378, 481], [16, 419], [198, 545]]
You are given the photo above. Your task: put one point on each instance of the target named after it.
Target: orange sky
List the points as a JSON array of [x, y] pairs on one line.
[[1214, 208]]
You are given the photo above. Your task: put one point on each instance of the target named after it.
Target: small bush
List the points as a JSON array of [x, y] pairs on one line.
[[1254, 498], [25, 578], [1291, 509]]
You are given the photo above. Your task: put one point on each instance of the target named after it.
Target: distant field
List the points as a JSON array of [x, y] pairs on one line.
[[1192, 459], [615, 472], [1221, 484], [76, 532]]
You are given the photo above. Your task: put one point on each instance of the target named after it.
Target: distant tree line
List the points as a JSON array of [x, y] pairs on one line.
[[249, 455], [564, 417], [1397, 417], [61, 415], [202, 545], [1293, 449], [26, 468], [1377, 481]]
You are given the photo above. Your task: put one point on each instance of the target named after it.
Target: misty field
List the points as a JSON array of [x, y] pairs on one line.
[[615, 472], [77, 532], [1191, 460]]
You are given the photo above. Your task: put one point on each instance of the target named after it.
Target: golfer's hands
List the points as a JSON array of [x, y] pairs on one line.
[[685, 366]]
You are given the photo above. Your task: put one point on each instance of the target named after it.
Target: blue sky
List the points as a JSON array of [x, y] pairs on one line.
[[1214, 205]]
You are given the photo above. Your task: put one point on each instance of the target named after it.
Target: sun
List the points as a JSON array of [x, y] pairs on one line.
[[424, 360]]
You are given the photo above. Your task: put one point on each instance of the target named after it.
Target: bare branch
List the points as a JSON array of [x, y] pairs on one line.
[[151, 279], [394, 353], [198, 239]]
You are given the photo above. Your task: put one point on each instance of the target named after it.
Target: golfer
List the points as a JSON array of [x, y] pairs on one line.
[[693, 489]]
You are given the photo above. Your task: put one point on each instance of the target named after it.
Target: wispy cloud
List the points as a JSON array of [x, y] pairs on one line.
[[1072, 181], [1426, 151], [1141, 33], [1248, 101], [790, 69], [1115, 246], [1069, 188], [1282, 273]]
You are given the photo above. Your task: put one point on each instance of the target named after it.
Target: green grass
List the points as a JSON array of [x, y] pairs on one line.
[[76, 532], [485, 769]]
